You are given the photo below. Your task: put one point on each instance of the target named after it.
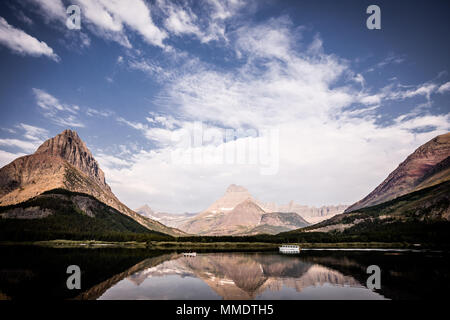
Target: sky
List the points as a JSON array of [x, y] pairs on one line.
[[295, 100]]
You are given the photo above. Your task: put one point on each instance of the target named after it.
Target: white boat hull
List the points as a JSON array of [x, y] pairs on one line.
[[289, 249]]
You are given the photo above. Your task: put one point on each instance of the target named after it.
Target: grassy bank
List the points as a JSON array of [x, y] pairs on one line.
[[188, 246]]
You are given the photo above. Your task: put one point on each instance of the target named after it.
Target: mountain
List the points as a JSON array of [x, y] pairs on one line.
[[233, 196], [207, 221], [247, 213], [414, 198], [168, 219], [238, 213], [413, 211], [283, 219], [145, 211], [64, 162], [311, 214], [426, 166], [62, 214]]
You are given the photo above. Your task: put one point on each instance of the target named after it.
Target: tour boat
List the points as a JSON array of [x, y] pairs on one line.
[[190, 254], [288, 248]]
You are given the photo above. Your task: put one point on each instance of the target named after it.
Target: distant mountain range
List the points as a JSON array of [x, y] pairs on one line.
[[168, 219], [415, 194], [237, 212], [62, 163]]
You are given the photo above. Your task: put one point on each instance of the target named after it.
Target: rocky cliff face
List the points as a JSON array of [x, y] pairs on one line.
[[71, 148], [288, 220], [63, 162], [412, 172], [247, 213]]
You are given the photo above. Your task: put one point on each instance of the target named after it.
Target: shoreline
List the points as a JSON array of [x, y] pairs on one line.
[[174, 245]]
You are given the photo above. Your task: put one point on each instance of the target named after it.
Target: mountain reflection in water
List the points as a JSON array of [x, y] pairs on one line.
[[35, 273], [235, 276]]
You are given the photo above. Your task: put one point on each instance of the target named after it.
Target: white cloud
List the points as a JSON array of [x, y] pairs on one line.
[[391, 59], [358, 78], [400, 92], [34, 136], [33, 133], [29, 146], [111, 161], [51, 9], [100, 113], [207, 25], [270, 40], [161, 135], [424, 90], [327, 154], [22, 43], [147, 67], [64, 115], [111, 17], [179, 20], [7, 157], [444, 88]]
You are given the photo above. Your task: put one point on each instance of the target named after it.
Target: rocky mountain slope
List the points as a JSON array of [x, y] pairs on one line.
[[276, 222], [425, 206], [418, 194], [64, 162], [425, 167], [61, 214]]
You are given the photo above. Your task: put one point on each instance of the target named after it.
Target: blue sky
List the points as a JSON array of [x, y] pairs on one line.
[[339, 105]]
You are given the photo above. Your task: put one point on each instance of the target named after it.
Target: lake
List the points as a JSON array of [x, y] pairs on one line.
[[137, 274]]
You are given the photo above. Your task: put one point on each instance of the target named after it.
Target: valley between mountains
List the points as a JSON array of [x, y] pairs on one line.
[[60, 192]]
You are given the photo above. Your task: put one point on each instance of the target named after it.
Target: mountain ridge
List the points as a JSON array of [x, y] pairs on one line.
[[407, 176], [424, 176], [167, 219], [64, 162]]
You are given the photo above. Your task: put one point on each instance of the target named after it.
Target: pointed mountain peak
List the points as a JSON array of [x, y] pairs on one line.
[[236, 188], [145, 209], [69, 146], [62, 143]]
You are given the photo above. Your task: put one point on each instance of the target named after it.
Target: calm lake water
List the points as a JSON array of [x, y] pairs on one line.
[[108, 274]]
